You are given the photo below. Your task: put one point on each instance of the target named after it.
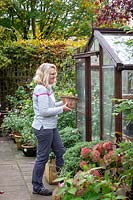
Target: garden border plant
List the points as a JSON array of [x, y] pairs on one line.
[[90, 179], [101, 174]]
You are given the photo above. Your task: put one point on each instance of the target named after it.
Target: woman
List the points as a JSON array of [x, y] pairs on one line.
[[45, 125]]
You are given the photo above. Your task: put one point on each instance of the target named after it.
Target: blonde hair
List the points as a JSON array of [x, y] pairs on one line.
[[42, 74]]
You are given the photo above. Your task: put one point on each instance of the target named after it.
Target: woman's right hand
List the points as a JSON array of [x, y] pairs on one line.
[[65, 108]]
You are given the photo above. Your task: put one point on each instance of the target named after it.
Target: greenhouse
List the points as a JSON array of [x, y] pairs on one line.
[[66, 100], [104, 72]]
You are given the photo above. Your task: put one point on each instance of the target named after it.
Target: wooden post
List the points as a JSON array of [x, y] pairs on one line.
[[88, 99], [118, 95]]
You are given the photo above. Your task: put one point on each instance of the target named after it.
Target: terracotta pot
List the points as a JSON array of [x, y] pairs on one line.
[[17, 138], [12, 136], [70, 100]]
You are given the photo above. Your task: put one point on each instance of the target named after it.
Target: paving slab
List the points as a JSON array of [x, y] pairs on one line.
[[16, 172]]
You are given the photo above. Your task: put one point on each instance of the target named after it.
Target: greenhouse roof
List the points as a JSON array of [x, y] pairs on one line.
[[117, 43], [121, 47]]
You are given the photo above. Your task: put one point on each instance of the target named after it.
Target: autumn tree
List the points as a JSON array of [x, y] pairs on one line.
[[49, 18], [115, 14]]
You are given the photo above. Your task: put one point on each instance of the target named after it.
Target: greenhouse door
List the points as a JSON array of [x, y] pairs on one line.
[[84, 106]]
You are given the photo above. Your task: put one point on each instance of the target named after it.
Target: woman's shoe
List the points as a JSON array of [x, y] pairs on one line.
[[43, 191]]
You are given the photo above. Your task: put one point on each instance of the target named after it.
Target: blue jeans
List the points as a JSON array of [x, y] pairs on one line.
[[47, 139]]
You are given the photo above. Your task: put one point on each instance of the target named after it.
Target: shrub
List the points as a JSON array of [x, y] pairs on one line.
[[67, 119], [72, 158], [70, 136]]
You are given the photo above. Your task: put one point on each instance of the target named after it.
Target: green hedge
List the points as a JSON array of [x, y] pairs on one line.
[[20, 59]]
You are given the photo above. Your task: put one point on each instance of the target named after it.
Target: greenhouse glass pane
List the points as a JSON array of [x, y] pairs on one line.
[[127, 93], [127, 82], [94, 60], [108, 94], [81, 125], [95, 104], [95, 47], [120, 45], [106, 60]]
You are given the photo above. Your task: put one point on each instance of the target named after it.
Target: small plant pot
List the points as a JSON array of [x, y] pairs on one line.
[[70, 100], [12, 135], [17, 138], [28, 150]]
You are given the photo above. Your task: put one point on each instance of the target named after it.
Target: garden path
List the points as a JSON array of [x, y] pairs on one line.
[[15, 173]]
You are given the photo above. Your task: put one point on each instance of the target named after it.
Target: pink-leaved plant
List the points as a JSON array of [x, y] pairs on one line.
[[101, 155]]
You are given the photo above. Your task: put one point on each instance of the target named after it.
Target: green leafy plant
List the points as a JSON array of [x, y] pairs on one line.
[[67, 119], [71, 92], [125, 150], [86, 186], [17, 101], [124, 106], [28, 138], [8, 124], [70, 136], [19, 119]]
